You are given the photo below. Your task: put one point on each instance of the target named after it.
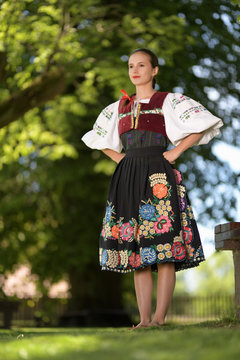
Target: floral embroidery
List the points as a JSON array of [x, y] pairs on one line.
[[147, 228], [163, 224], [164, 251], [160, 191], [176, 101], [115, 231], [190, 251], [190, 212], [178, 176], [129, 138], [107, 113], [124, 258], [187, 234], [158, 178], [134, 260], [112, 260], [178, 238], [194, 109], [156, 218], [148, 255], [108, 213], [126, 231], [104, 257], [147, 211], [107, 230], [181, 190], [178, 250], [158, 137], [99, 130], [164, 207], [157, 111]]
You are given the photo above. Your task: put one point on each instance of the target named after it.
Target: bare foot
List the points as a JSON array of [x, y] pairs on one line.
[[156, 323], [141, 325]]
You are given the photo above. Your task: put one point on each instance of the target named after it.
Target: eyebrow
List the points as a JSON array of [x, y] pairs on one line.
[[140, 62]]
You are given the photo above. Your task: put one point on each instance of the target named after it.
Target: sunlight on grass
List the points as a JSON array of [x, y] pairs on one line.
[[208, 341]]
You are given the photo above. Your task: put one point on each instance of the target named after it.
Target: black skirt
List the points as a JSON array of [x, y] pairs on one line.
[[148, 218]]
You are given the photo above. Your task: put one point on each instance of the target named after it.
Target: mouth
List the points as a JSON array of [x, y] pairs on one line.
[[136, 77]]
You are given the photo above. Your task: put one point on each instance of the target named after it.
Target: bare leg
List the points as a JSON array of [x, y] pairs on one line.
[[165, 287], [144, 287]]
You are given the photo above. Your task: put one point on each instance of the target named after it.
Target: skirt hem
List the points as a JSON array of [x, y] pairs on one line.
[[179, 265]]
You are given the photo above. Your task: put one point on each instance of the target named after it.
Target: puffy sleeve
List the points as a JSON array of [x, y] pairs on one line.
[[104, 134], [184, 116]]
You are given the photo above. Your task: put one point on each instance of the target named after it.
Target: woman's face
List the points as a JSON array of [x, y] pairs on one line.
[[140, 69]]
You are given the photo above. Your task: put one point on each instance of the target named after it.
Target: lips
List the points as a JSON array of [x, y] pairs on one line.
[[136, 77]]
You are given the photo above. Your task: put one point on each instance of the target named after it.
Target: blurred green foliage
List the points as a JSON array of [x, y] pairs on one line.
[[236, 2], [61, 62]]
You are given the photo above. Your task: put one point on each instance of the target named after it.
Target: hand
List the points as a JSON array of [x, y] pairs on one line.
[[120, 157], [171, 155]]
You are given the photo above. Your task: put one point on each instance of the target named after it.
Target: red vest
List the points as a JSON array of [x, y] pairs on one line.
[[150, 116]]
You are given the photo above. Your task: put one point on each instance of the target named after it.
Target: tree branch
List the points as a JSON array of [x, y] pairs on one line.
[[44, 88]]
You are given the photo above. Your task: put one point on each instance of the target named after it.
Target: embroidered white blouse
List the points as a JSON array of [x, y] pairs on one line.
[[183, 116]]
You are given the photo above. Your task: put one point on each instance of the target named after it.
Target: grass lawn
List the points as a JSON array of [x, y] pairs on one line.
[[207, 341]]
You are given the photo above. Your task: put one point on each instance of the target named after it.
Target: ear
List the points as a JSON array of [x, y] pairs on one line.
[[155, 71]]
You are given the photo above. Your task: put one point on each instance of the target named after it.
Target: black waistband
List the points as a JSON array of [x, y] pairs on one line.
[[146, 151]]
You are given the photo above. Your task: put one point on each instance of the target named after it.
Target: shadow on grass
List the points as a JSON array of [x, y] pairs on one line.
[[213, 340], [19, 334]]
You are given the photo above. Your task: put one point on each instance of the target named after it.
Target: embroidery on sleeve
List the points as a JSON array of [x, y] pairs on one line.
[[100, 130], [192, 110], [176, 101], [107, 113]]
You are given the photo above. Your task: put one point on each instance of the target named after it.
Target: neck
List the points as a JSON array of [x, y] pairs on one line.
[[144, 92]]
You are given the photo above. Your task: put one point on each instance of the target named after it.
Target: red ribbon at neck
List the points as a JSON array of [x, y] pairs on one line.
[[126, 96]]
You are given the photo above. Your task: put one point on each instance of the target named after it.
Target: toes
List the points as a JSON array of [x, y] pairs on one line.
[[140, 325]]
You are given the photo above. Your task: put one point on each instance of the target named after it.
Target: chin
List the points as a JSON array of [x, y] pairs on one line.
[[137, 81]]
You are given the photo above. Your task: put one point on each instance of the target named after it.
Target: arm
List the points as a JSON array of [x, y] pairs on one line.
[[186, 143], [114, 155]]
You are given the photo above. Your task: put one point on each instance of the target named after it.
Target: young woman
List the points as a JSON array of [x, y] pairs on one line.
[[148, 224]]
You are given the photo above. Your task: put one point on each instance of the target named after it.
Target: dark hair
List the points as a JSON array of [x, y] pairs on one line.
[[153, 60]]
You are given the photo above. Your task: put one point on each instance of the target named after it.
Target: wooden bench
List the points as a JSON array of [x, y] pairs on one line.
[[8, 308], [227, 237]]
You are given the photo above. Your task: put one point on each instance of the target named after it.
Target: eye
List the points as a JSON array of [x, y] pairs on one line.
[[130, 66]]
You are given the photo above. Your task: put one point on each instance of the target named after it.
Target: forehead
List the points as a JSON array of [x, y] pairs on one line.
[[139, 57]]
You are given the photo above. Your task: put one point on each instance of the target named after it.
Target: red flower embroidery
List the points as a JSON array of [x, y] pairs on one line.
[[178, 250], [126, 231], [134, 260], [187, 234]]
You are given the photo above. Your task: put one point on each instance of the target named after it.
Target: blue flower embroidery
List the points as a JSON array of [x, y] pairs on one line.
[[104, 257], [108, 213], [148, 255], [147, 211]]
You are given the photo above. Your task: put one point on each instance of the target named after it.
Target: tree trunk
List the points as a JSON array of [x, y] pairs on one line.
[[95, 289], [96, 300]]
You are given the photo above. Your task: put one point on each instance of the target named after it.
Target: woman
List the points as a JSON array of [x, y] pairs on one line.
[[148, 224]]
